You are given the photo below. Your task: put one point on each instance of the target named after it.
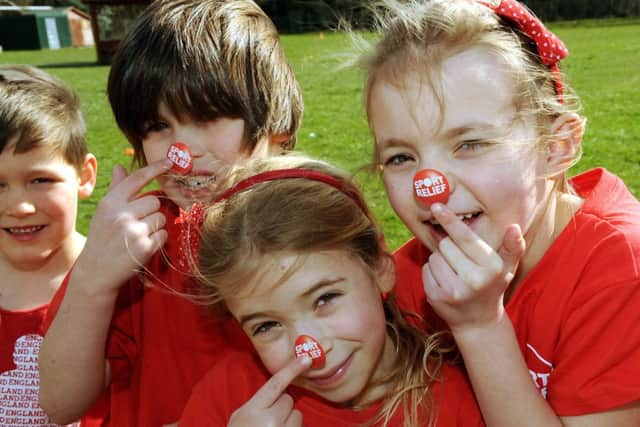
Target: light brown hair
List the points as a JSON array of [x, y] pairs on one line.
[[205, 59], [417, 36], [304, 216], [36, 110]]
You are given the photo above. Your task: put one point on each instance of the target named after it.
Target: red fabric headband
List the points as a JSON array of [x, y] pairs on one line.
[[191, 221], [288, 174], [550, 47]]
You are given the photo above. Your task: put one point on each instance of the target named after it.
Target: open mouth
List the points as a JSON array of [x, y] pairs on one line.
[[195, 183], [24, 230], [22, 233], [467, 218]]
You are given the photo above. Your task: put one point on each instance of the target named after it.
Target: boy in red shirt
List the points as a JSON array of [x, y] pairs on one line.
[[211, 75], [45, 167]]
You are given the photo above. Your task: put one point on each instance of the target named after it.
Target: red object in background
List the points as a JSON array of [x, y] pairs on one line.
[[306, 345], [431, 186], [180, 155]]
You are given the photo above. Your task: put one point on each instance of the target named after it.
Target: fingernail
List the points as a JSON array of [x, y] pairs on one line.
[[437, 208], [305, 360]]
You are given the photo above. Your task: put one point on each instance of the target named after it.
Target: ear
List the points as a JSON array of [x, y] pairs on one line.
[[276, 141], [386, 273], [87, 176], [264, 148], [564, 146]]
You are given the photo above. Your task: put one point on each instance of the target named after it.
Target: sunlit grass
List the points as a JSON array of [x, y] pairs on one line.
[[603, 68]]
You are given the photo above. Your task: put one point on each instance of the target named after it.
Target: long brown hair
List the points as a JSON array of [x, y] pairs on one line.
[[299, 215]]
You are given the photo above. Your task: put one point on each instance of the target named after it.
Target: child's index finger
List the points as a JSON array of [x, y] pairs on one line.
[[143, 176], [278, 383], [462, 236]]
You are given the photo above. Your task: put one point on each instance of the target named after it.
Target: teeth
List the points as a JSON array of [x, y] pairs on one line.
[[24, 230], [196, 182], [460, 217]]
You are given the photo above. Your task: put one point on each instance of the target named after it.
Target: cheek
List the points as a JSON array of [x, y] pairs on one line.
[[60, 206], [274, 356], [365, 323], [154, 151], [397, 194]]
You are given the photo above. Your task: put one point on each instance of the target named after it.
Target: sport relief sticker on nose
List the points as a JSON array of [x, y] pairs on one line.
[[180, 155], [431, 186], [306, 345]]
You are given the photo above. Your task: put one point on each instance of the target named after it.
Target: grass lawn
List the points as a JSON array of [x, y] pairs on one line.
[[602, 67]]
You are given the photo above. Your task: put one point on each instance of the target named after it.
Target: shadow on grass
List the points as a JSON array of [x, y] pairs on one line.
[[87, 64]]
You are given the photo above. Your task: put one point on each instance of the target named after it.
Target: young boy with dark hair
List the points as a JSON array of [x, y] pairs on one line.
[[212, 75]]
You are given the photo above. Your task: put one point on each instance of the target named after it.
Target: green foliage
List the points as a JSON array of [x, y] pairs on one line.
[[580, 9], [603, 68]]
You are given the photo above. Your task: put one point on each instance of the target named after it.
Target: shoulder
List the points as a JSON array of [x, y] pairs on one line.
[[412, 252], [239, 374], [454, 401], [606, 230], [228, 385], [408, 260]]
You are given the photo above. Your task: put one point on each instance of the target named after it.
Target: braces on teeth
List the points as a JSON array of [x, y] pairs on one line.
[[195, 183]]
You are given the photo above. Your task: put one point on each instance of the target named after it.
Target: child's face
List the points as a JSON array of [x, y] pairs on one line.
[[214, 145], [332, 298], [486, 151], [38, 204]]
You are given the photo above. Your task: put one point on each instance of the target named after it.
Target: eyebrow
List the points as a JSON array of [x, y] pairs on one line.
[[461, 130], [313, 289], [390, 142], [449, 134]]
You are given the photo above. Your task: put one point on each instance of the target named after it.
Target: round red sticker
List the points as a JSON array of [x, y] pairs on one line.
[[180, 155], [431, 186], [306, 345]]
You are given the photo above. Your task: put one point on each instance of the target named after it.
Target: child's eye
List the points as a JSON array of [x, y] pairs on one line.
[[397, 160], [264, 328], [155, 127], [43, 180], [326, 298], [471, 145]]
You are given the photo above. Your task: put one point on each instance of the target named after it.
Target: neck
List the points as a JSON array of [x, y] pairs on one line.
[[555, 214], [27, 286]]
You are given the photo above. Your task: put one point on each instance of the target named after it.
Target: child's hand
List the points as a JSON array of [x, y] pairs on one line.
[[126, 230], [466, 279], [271, 406]]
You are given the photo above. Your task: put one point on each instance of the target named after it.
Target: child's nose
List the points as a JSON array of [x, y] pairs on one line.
[[197, 148], [18, 204]]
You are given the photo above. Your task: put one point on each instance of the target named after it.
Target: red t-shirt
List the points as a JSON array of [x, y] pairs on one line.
[[21, 333], [242, 375], [161, 343], [577, 313]]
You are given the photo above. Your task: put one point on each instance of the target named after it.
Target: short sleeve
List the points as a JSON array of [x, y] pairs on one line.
[[598, 352]]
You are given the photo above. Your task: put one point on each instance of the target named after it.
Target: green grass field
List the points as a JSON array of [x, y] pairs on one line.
[[603, 67]]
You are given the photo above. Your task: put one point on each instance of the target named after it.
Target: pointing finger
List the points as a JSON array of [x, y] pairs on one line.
[[278, 383]]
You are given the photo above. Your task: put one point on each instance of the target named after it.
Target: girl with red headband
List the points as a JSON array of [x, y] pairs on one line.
[[535, 274], [292, 253]]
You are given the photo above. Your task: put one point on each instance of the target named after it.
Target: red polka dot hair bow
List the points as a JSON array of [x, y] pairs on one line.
[[550, 47]]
